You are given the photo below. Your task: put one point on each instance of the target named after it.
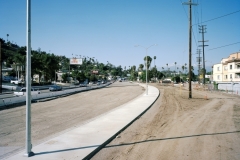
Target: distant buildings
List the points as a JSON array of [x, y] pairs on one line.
[[228, 70]]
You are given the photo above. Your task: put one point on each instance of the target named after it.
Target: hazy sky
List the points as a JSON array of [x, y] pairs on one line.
[[109, 29]]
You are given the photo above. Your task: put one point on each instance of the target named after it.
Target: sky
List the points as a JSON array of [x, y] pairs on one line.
[[109, 30]]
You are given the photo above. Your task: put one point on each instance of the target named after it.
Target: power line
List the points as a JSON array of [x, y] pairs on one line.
[[184, 9], [187, 18], [224, 46], [218, 17]]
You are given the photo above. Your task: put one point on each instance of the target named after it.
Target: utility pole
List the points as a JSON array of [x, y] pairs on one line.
[[190, 46], [202, 29], [199, 59]]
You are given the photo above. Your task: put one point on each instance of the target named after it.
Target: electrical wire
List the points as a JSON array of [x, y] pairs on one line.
[[218, 17], [192, 25], [224, 46]]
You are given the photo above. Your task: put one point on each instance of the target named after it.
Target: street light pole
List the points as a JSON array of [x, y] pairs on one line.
[[29, 152], [146, 63]]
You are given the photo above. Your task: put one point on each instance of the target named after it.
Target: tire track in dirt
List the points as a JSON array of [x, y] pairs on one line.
[[180, 128]]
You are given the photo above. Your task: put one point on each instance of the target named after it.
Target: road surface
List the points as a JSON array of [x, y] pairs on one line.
[[54, 117]]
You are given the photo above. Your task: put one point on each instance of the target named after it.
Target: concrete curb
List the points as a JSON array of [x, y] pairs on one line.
[[121, 130]]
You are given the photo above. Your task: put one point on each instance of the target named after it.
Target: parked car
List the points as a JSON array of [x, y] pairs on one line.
[[83, 85], [6, 79], [23, 91], [55, 88], [16, 81], [91, 83]]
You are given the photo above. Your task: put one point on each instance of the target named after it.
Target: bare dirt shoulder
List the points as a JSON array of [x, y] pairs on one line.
[[57, 116], [175, 127]]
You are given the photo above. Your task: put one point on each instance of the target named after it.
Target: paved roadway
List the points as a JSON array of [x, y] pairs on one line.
[[44, 89], [82, 141], [57, 116]]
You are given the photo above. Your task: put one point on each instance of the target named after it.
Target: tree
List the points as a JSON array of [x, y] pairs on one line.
[[64, 77], [183, 68], [140, 67], [133, 75], [154, 61], [153, 73], [175, 67], [148, 61], [167, 65]]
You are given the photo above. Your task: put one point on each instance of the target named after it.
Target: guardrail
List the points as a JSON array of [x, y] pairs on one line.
[[4, 103]]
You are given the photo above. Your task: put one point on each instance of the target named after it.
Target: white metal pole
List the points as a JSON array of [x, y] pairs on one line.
[[28, 153], [146, 72]]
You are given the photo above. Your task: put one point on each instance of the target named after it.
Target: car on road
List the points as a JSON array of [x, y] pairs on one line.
[[16, 81], [90, 83], [6, 79], [83, 85], [23, 91], [55, 88], [98, 82]]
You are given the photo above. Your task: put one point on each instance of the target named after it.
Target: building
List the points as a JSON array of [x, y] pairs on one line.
[[228, 70]]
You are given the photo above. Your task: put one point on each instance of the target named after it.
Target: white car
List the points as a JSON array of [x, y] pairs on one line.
[[90, 83], [23, 91], [16, 81]]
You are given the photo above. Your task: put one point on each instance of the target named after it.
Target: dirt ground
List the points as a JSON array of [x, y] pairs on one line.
[[54, 117], [206, 127]]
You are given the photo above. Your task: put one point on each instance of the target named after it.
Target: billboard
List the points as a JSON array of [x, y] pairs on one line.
[[94, 72], [75, 61]]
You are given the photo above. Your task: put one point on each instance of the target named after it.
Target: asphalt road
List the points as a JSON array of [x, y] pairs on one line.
[[54, 117], [44, 89]]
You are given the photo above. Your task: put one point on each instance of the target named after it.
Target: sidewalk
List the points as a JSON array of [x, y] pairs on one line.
[[84, 140]]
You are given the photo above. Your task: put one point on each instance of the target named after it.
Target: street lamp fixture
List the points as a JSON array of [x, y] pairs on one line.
[[146, 48]]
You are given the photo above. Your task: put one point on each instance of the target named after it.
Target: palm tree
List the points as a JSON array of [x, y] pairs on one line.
[[167, 65], [148, 61], [141, 67], [175, 67], [192, 69], [7, 37], [154, 61], [185, 67]]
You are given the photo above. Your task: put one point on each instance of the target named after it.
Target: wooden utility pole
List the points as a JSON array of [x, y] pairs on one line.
[[199, 59], [202, 29], [190, 47]]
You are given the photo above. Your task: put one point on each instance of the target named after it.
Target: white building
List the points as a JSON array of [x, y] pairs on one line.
[[228, 70]]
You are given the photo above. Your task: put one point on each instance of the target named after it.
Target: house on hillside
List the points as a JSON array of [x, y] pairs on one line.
[[228, 70]]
